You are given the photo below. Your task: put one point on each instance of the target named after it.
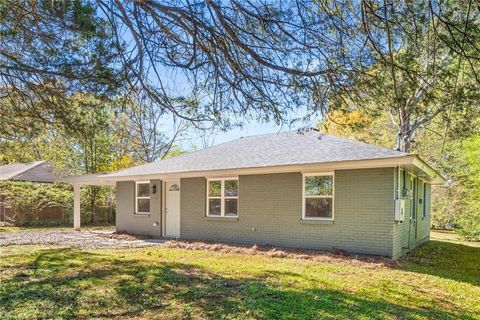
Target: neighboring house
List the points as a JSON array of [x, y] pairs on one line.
[[38, 172], [294, 189]]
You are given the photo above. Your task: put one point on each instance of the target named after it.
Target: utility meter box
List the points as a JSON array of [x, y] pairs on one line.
[[399, 209]]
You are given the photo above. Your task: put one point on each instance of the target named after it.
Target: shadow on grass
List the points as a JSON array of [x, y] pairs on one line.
[[448, 260], [69, 283]]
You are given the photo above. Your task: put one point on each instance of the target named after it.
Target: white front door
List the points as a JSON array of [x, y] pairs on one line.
[[172, 209]]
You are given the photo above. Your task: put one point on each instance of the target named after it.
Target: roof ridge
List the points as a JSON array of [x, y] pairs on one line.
[[364, 143], [247, 137], [268, 149], [197, 151]]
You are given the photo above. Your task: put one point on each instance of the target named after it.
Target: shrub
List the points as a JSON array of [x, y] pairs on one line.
[[447, 202], [28, 199], [469, 223]]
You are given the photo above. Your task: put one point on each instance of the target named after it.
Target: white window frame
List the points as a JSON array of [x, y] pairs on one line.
[[222, 197], [304, 196], [137, 197]]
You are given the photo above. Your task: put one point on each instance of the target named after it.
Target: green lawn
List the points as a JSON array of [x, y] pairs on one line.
[[440, 280]]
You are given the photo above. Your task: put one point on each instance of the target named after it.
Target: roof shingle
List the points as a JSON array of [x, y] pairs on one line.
[[286, 148]]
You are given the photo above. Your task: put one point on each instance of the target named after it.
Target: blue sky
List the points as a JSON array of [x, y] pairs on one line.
[[248, 129], [177, 83], [192, 140]]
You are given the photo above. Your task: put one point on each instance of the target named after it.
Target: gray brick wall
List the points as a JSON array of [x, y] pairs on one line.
[[127, 220], [405, 231], [270, 208]]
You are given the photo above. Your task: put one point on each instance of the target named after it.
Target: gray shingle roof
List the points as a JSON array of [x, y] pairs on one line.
[[38, 171], [286, 148], [12, 170]]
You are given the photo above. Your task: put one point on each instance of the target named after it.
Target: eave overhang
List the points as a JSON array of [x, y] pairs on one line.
[[410, 162]]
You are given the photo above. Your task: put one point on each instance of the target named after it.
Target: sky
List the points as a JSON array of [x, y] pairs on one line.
[[177, 84], [249, 129]]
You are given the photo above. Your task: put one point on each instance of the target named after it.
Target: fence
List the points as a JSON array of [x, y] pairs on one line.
[[54, 215]]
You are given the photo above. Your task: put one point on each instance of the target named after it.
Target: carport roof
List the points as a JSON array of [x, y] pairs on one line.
[[90, 179]]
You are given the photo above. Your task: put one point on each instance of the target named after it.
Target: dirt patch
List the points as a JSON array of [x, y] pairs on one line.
[[334, 255], [123, 236]]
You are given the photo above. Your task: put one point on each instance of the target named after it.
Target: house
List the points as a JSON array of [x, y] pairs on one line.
[[37, 172], [292, 189]]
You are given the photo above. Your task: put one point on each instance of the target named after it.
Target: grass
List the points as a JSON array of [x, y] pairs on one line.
[[440, 280], [64, 228], [450, 236]]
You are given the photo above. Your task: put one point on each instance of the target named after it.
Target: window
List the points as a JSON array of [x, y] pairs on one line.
[[222, 197], [142, 197], [318, 191]]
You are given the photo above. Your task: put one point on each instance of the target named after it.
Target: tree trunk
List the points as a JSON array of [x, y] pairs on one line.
[[404, 134], [405, 141]]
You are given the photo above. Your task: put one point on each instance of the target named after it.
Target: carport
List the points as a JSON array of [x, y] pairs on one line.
[[78, 182]]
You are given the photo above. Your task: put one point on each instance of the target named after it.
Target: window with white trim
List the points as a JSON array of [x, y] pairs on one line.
[[142, 197], [222, 197], [318, 195]]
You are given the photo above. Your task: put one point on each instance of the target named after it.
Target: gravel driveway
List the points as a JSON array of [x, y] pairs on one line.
[[83, 239]]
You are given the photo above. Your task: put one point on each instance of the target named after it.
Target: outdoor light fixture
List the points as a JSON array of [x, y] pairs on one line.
[[155, 224], [154, 189]]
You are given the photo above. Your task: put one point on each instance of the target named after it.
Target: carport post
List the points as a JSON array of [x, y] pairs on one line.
[[76, 207]]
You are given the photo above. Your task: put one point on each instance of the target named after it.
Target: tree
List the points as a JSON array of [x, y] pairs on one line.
[[238, 60], [50, 50], [427, 59], [28, 199], [468, 219], [357, 124], [146, 125]]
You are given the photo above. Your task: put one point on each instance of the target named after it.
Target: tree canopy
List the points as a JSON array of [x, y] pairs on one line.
[[260, 59]]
